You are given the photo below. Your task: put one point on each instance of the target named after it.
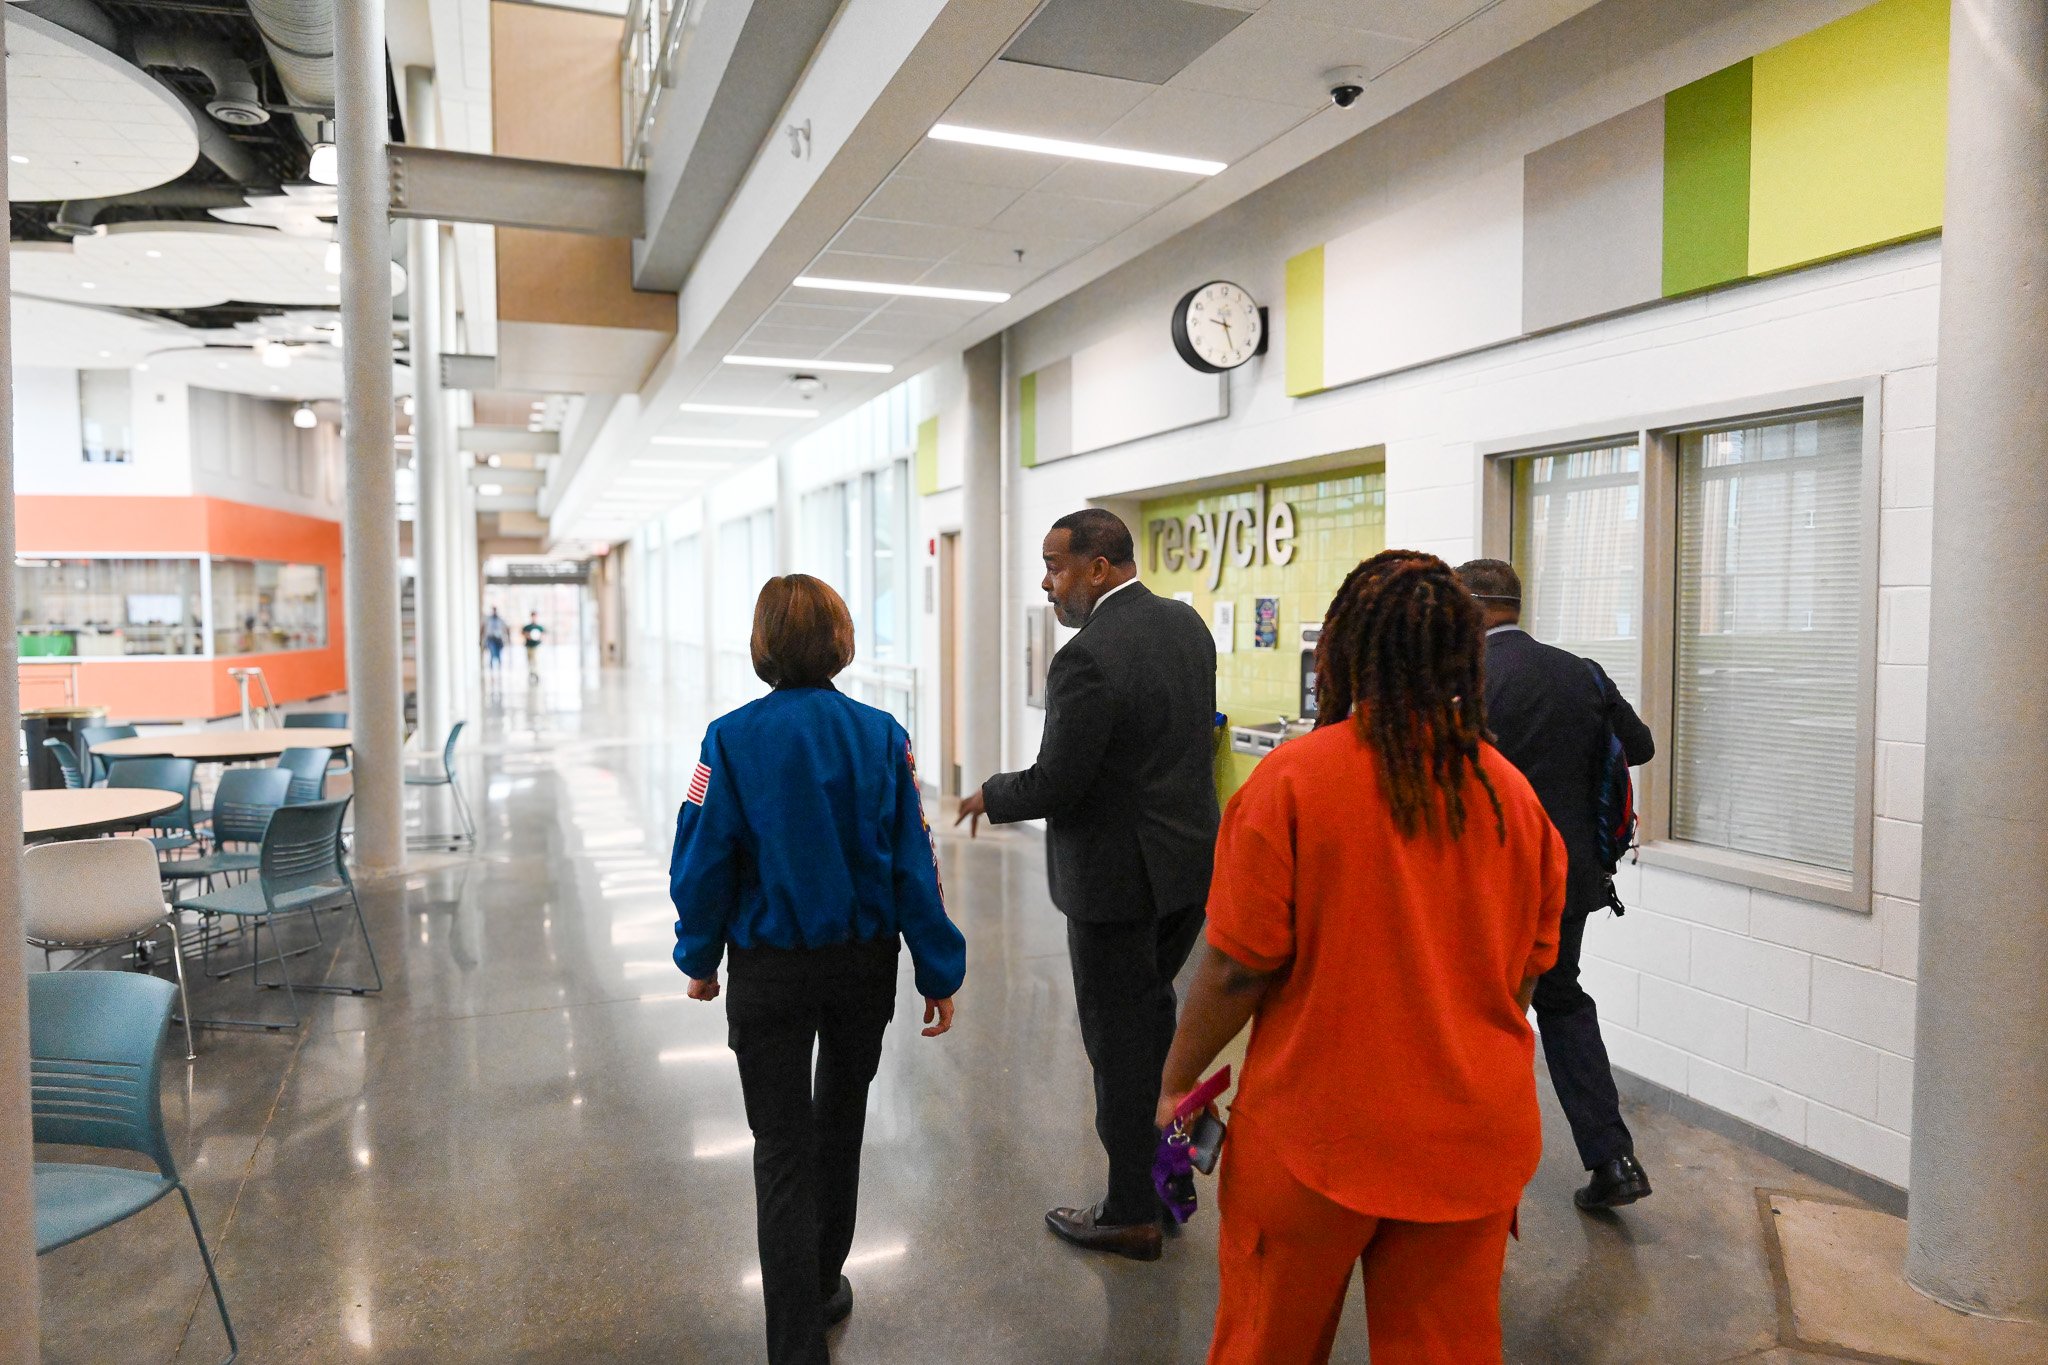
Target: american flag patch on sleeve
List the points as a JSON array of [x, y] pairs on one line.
[[700, 783]]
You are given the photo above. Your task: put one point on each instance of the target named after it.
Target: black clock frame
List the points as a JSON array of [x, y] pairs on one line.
[[1186, 346]]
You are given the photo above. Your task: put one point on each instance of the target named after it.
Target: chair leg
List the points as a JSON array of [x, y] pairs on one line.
[[375, 971], [462, 809], [220, 1300], [284, 971], [184, 1000]]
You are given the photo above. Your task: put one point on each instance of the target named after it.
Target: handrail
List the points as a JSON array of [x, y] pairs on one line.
[[647, 66]]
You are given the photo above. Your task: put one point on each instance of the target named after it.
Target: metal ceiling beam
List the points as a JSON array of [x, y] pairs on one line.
[[509, 441], [525, 480], [506, 191]]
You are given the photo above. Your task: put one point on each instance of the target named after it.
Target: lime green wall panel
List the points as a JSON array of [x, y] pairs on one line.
[[1027, 419], [1849, 146], [928, 457], [1303, 322], [1706, 181]]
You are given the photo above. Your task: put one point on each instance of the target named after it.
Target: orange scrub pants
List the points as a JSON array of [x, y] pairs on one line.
[[1432, 1290]]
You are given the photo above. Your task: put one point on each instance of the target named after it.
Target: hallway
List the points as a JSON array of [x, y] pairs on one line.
[[531, 1146]]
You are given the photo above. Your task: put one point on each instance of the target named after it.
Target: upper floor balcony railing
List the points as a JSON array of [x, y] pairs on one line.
[[650, 52]]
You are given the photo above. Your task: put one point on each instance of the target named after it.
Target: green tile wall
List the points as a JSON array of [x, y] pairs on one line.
[[1340, 518]]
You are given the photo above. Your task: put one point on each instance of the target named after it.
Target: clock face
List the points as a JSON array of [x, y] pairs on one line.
[[1218, 327]]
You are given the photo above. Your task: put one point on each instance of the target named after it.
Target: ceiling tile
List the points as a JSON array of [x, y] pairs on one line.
[[803, 308], [1273, 58], [969, 275], [1202, 123], [1415, 20], [946, 203], [766, 338], [876, 237], [1139, 40], [1015, 98], [957, 161], [1126, 184], [1099, 219], [1042, 251], [853, 265]]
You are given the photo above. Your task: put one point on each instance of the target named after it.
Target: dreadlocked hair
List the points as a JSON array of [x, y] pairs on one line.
[[1401, 655]]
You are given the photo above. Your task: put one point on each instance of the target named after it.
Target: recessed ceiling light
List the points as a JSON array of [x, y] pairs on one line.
[[736, 410], [713, 441], [489, 490], [17, 158], [910, 291], [105, 354], [87, 284], [154, 255], [844, 366], [1077, 151]]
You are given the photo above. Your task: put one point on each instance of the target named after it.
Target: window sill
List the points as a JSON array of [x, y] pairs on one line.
[[1797, 880]]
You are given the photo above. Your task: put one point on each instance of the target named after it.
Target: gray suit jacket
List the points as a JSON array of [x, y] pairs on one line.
[[1125, 772]]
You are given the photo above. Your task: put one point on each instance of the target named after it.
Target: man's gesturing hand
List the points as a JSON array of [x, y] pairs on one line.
[[973, 806]]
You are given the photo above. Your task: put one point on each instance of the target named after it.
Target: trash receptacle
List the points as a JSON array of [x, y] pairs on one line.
[[54, 722]]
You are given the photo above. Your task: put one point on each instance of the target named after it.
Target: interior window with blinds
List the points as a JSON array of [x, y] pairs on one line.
[[1578, 545], [1768, 638]]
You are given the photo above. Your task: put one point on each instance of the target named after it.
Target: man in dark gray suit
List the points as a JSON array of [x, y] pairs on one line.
[[1124, 781]]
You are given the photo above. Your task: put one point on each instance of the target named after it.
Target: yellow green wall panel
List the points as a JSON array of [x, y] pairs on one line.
[[928, 457], [1850, 135], [1706, 181], [1027, 419], [1302, 321]]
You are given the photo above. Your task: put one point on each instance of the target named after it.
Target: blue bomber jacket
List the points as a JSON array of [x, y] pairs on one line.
[[804, 828]]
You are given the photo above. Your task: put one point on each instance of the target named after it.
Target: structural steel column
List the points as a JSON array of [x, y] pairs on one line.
[[376, 684], [462, 645], [433, 554], [19, 1296], [981, 542], [1979, 1211]]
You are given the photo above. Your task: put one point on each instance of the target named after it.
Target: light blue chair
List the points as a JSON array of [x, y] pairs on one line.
[[67, 763], [308, 769], [445, 778], [176, 828], [95, 1040], [90, 735]]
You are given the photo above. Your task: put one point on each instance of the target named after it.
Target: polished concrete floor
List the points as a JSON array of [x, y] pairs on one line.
[[531, 1147]]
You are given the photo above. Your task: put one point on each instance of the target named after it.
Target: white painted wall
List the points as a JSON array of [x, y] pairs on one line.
[[47, 439]]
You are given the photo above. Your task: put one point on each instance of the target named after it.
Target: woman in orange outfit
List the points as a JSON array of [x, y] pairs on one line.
[[1387, 891]]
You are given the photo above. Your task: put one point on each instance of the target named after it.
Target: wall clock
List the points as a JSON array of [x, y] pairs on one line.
[[1218, 326]]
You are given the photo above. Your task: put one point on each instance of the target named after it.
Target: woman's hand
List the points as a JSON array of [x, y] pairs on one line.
[[707, 989], [941, 1010], [1169, 1104]]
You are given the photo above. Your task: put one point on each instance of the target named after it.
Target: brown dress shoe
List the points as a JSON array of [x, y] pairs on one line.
[[1084, 1228]]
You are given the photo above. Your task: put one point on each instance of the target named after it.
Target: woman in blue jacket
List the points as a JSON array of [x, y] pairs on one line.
[[803, 857]]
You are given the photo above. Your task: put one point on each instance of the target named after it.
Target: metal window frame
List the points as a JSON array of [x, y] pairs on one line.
[[1657, 436]]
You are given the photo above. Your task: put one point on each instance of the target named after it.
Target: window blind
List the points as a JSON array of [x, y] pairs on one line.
[[1578, 545], [1768, 638]]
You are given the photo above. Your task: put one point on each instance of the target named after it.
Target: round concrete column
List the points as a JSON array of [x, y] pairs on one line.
[[433, 555], [1979, 1207], [376, 686], [981, 544]]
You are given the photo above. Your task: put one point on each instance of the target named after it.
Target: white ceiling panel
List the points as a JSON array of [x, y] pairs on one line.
[[63, 336], [971, 165], [1202, 123], [873, 237], [1045, 101], [1273, 58], [806, 309], [763, 339], [944, 203], [971, 275], [1123, 184], [850, 265], [82, 123], [1064, 213], [180, 265], [1041, 250], [1417, 21], [313, 375]]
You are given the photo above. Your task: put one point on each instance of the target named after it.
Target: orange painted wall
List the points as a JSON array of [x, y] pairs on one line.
[[187, 689]]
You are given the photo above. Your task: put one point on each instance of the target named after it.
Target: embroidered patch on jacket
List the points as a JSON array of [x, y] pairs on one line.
[[700, 783], [938, 879]]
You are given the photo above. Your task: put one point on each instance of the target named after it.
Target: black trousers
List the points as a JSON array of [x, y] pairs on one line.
[[1570, 1024], [1123, 990], [807, 1128]]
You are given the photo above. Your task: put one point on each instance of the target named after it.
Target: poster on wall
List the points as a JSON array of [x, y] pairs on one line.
[[1186, 597], [1223, 625], [1265, 622]]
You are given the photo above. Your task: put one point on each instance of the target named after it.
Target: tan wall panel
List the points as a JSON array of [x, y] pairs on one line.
[[587, 281], [555, 84]]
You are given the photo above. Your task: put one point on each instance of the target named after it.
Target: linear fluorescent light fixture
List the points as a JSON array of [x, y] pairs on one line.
[[738, 410], [840, 366], [908, 291], [710, 442], [1076, 151], [679, 464]]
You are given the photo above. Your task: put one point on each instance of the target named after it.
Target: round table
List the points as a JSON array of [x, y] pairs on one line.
[[78, 814], [223, 746]]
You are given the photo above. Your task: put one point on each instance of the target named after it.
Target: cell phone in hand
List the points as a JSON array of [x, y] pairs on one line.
[[1205, 1142]]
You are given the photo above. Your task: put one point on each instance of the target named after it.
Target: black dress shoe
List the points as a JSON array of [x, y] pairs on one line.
[[839, 1303], [1084, 1228], [1614, 1183]]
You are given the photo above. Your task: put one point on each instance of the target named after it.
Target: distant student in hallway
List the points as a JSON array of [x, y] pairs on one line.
[[1123, 781], [1552, 714], [802, 856], [532, 633], [1386, 894], [497, 634]]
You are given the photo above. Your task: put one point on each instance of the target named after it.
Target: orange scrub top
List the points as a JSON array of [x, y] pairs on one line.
[[1390, 1069]]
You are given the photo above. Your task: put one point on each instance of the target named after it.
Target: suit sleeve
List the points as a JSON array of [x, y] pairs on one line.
[[704, 871], [1080, 712], [938, 952], [1636, 740]]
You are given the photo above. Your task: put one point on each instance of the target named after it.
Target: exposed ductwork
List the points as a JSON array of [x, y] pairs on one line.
[[237, 99], [78, 217], [300, 37]]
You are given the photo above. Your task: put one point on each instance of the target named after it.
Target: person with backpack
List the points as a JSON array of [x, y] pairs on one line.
[[1561, 720]]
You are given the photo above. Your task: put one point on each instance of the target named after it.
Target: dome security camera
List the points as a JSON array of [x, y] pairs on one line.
[[1346, 84], [808, 386]]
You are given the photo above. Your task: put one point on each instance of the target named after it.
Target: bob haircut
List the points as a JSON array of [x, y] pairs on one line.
[[803, 634]]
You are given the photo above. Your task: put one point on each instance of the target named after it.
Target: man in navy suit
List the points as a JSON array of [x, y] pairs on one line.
[[1551, 713]]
